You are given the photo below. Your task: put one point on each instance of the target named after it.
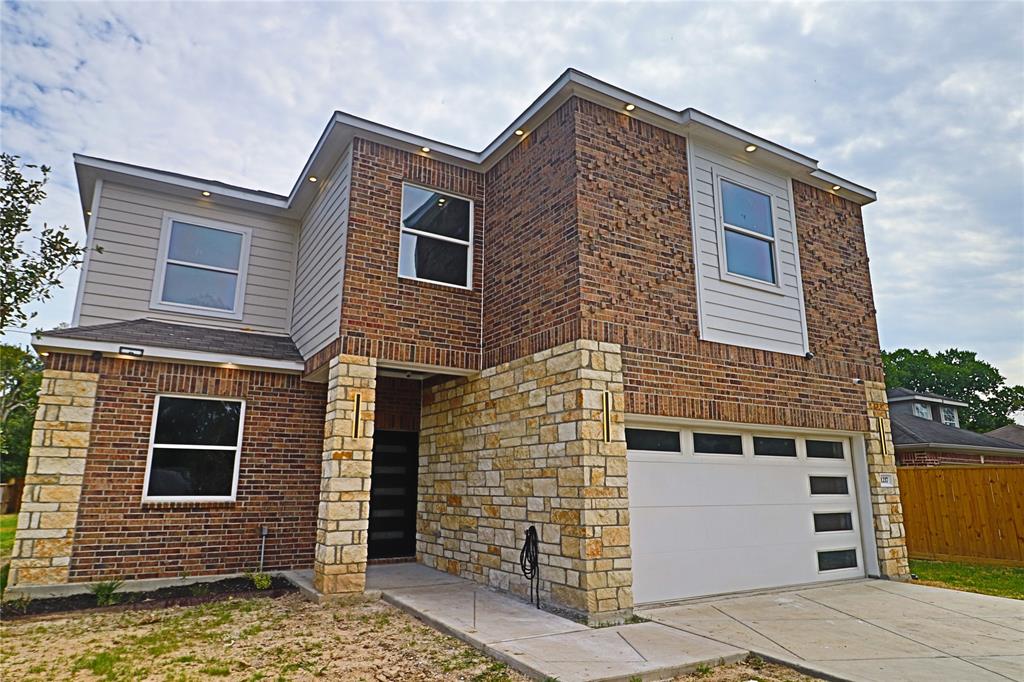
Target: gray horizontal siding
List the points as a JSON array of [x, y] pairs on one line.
[[732, 312], [119, 281], [316, 312]]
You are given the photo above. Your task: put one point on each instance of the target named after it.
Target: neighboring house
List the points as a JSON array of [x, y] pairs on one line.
[[926, 432], [646, 332], [1011, 432]]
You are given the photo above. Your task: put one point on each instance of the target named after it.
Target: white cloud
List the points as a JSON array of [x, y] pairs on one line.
[[924, 102]]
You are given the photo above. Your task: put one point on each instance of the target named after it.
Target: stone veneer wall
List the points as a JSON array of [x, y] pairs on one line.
[[53, 482], [886, 507], [523, 444], [339, 565]]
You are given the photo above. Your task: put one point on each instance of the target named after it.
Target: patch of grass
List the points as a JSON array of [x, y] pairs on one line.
[[1000, 581], [702, 670], [8, 524], [495, 672], [217, 670]]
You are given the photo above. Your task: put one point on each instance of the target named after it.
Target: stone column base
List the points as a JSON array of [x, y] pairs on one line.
[[343, 519]]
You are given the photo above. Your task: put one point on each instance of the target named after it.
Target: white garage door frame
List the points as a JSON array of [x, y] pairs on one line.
[[854, 463]]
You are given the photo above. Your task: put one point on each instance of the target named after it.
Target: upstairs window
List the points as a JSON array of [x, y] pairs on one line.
[[949, 416], [202, 267], [194, 450], [923, 411], [437, 235], [748, 232]]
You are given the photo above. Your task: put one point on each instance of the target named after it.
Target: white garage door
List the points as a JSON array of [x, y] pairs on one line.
[[714, 512]]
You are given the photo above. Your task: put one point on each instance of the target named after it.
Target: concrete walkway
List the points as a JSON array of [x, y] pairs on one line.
[[540, 644], [870, 630]]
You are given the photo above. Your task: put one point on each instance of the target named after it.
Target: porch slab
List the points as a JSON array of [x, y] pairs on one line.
[[541, 644]]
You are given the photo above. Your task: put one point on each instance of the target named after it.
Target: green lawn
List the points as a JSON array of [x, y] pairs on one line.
[[1001, 581], [8, 522]]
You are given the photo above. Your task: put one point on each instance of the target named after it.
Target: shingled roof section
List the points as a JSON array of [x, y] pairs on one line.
[[1011, 432], [910, 430], [148, 332], [906, 394]]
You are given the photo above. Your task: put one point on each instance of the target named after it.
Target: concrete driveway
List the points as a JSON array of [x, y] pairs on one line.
[[867, 630]]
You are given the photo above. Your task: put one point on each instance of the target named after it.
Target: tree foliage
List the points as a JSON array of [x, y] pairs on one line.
[[957, 374], [26, 274], [21, 373]]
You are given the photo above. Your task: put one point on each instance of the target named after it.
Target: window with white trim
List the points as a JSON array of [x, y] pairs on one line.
[[436, 237], [202, 267], [748, 231], [923, 411], [949, 416], [194, 449]]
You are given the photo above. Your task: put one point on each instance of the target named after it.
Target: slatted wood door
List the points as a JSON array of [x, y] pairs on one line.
[[964, 513]]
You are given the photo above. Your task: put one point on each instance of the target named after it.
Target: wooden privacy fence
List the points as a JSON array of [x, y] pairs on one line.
[[964, 513]]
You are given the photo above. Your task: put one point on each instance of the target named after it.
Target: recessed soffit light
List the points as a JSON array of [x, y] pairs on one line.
[[750, 148], [630, 107]]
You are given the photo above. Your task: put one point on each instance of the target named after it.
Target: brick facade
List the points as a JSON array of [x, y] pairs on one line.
[[118, 536], [639, 290], [531, 301], [927, 458], [385, 316], [523, 444]]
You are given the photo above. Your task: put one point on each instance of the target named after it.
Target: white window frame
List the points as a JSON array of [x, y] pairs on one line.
[[430, 235], [156, 300], [237, 448], [955, 422], [840, 548], [753, 185], [923, 407]]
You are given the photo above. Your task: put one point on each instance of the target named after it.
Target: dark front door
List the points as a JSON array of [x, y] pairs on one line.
[[393, 495]]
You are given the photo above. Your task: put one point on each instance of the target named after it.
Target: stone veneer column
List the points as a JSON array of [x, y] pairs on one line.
[[53, 479], [342, 522], [522, 444], [886, 507]]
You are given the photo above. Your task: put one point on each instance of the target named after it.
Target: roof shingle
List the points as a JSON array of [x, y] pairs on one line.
[[186, 337]]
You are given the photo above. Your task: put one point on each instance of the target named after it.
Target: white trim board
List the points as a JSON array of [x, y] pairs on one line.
[[343, 127], [44, 343]]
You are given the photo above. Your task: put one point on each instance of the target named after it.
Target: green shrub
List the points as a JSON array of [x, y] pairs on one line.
[[5, 572], [261, 581], [106, 592]]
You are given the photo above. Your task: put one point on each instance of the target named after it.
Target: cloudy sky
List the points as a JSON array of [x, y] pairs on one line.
[[923, 103]]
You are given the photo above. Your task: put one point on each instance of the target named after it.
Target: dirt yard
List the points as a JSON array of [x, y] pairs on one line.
[[264, 639]]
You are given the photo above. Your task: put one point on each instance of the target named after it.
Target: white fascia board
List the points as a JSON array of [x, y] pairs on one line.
[[570, 83], [178, 180], [926, 399], [947, 447], [43, 343]]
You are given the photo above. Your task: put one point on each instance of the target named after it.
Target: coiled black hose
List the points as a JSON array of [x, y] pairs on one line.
[[528, 562]]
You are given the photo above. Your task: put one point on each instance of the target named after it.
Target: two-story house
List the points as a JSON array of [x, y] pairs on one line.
[[646, 332], [926, 432]]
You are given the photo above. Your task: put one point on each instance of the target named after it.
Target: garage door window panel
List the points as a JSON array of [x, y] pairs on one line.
[[717, 444], [825, 449], [837, 559], [833, 522], [829, 485], [653, 440], [765, 446]]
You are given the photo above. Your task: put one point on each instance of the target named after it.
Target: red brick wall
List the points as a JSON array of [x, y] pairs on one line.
[[279, 477], [931, 458], [531, 299], [384, 316], [397, 404], [639, 290]]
